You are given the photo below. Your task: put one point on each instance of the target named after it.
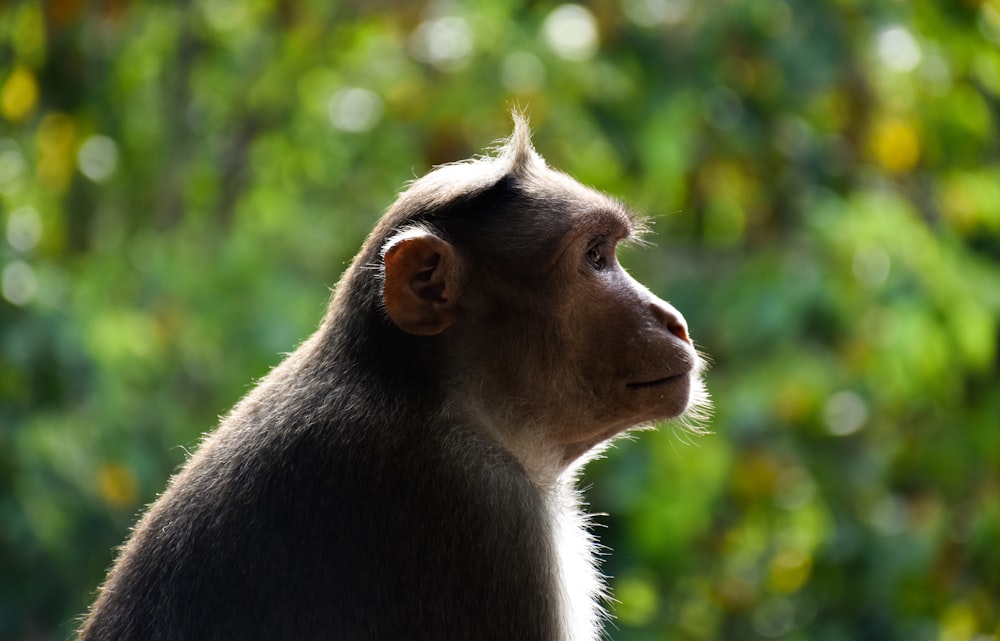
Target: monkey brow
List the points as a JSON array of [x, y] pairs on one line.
[[642, 227], [620, 221]]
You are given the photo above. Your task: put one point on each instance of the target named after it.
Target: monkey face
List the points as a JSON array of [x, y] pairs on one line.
[[635, 362], [555, 341], [548, 340], [618, 356]]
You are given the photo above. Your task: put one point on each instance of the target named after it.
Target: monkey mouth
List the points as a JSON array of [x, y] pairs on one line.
[[659, 382]]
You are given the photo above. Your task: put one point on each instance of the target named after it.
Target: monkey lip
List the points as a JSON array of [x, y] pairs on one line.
[[659, 382]]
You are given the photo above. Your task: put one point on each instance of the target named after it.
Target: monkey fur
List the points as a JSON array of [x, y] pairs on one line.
[[408, 472]]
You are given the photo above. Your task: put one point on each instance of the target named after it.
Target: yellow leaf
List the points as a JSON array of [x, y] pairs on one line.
[[790, 569], [895, 143], [117, 485], [57, 140], [637, 600], [19, 94]]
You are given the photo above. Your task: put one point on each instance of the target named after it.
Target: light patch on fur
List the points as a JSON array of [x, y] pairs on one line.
[[412, 231], [699, 409], [580, 586]]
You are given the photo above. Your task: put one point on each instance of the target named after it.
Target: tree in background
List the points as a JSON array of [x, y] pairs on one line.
[[181, 183]]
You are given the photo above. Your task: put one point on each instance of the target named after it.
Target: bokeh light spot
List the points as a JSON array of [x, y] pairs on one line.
[[57, 138], [653, 13], [12, 166], [637, 600], [522, 71], [845, 413], [898, 49], [354, 109], [870, 265], [789, 570], [571, 32], [896, 145], [989, 22], [24, 228], [19, 283], [225, 15], [19, 94], [98, 158], [117, 485], [446, 42], [888, 516]]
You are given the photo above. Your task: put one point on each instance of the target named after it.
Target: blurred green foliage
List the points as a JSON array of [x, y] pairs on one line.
[[181, 183]]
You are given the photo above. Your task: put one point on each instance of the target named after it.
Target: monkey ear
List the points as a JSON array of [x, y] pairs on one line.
[[421, 282]]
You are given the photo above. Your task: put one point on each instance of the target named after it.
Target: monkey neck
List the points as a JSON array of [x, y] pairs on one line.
[[549, 465], [359, 339]]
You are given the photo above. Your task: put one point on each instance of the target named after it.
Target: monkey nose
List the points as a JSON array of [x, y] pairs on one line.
[[669, 317]]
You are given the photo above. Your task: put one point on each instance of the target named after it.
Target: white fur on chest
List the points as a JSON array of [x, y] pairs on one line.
[[580, 586]]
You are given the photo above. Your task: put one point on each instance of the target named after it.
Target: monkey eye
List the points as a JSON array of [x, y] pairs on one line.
[[596, 257]]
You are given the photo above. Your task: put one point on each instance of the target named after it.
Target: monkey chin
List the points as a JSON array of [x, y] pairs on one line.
[[664, 398], [676, 396]]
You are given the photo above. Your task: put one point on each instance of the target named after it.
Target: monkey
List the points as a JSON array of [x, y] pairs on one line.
[[409, 471]]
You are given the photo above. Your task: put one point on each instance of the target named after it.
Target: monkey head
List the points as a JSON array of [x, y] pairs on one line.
[[509, 269]]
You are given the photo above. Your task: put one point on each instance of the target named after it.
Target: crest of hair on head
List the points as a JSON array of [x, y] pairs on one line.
[[512, 156], [516, 153]]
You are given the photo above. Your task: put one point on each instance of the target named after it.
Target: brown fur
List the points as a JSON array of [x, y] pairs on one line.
[[407, 473]]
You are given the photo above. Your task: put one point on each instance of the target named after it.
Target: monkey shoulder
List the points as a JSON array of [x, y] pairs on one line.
[[421, 522]]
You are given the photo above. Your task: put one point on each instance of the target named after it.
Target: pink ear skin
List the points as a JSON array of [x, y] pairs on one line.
[[421, 283]]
